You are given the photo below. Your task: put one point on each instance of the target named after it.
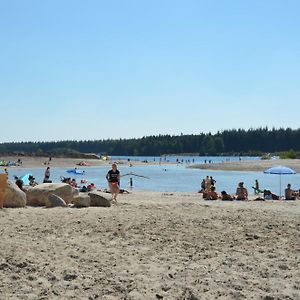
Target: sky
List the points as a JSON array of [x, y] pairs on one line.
[[95, 69]]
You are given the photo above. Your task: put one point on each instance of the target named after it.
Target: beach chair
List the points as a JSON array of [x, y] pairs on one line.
[[3, 187]]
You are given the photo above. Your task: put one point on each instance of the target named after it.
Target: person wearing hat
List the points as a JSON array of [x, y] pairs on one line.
[[241, 192]]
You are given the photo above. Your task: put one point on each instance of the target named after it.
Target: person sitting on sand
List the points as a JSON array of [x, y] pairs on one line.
[[207, 183], [212, 194], [91, 187], [83, 189], [32, 181], [20, 183], [289, 193], [212, 181], [241, 192], [202, 186], [73, 183], [226, 197]]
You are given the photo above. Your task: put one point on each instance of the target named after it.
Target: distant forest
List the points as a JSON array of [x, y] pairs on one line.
[[228, 142]]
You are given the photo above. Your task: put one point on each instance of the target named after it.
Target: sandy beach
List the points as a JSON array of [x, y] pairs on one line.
[[244, 165], [250, 165], [37, 162], [152, 246]]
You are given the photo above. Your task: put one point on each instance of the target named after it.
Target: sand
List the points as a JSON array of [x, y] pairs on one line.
[[250, 165], [244, 165], [152, 245], [38, 162]]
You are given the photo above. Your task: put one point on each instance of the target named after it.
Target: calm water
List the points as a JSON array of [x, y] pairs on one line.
[[171, 178]]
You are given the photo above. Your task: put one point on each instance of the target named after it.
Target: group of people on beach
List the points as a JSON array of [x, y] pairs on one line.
[[208, 188], [31, 180], [112, 177], [289, 193], [208, 191]]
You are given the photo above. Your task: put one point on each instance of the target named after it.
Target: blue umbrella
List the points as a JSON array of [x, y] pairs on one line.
[[280, 170]]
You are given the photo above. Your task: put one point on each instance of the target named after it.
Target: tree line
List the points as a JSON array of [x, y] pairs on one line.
[[227, 142]]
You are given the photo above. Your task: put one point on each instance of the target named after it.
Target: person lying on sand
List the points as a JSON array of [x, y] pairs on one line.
[[122, 191], [268, 195], [226, 197]]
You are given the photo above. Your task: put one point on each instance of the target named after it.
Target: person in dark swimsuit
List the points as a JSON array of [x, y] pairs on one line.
[[113, 178]]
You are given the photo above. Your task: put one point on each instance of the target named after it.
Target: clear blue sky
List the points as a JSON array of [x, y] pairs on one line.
[[100, 69]]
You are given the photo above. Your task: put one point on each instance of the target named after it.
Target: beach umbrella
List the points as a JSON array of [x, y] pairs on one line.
[[280, 170]]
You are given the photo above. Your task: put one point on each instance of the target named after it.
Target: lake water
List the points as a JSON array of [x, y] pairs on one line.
[[171, 178]]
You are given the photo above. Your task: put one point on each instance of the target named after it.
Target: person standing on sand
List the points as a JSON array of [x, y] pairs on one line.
[[113, 179], [256, 187], [47, 175]]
